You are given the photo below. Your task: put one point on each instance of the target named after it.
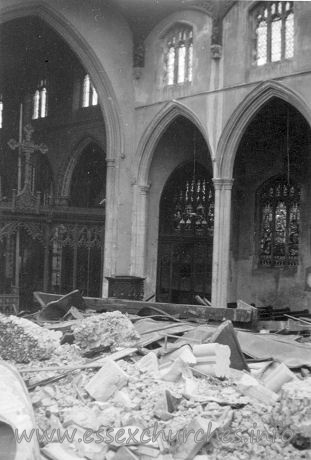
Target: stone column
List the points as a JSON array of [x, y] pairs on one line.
[[221, 242], [139, 230], [110, 243]]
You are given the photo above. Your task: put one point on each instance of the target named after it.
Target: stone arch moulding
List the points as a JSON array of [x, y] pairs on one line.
[[242, 116], [107, 99], [154, 132], [67, 168]]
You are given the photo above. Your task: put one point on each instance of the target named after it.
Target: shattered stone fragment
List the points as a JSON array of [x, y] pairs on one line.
[[106, 381]]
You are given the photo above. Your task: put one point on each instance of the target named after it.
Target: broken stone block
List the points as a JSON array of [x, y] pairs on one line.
[[84, 417], [107, 380], [172, 371], [149, 363], [147, 452], [124, 453], [212, 359], [183, 353], [275, 379], [250, 387], [56, 451], [122, 398], [190, 388]]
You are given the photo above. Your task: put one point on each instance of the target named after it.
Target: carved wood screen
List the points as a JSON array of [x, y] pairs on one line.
[[52, 256], [186, 235]]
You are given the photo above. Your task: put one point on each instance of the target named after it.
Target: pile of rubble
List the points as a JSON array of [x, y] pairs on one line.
[[183, 401], [22, 341], [111, 329]]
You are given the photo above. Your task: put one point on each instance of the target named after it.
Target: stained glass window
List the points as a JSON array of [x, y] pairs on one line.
[[178, 55], [188, 200], [274, 32], [279, 215], [40, 101], [89, 93]]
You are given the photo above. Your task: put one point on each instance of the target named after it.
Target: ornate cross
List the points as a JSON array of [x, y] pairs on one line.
[[28, 147]]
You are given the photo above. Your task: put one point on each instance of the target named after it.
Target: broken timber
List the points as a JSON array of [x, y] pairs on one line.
[[246, 317]]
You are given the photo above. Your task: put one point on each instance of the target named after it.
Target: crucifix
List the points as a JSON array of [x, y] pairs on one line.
[[25, 195], [28, 148]]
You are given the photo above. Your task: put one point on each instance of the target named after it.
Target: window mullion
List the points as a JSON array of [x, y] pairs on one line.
[[176, 57], [187, 46], [283, 31], [269, 34]]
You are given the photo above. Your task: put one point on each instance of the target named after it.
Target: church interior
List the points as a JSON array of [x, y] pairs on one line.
[[162, 143]]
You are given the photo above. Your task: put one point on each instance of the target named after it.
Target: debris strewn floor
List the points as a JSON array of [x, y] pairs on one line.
[[128, 402]]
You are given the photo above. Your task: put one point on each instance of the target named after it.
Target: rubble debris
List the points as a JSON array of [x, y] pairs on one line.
[[57, 309], [22, 340], [56, 451], [275, 378], [106, 381], [250, 387], [212, 359], [184, 353], [109, 329], [294, 411], [225, 335], [164, 393], [149, 363]]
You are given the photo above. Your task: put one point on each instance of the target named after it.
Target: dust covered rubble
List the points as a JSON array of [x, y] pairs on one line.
[[245, 428], [251, 431]]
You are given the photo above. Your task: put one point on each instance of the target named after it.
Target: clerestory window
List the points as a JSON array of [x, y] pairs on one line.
[[178, 55], [40, 101], [274, 32], [89, 93]]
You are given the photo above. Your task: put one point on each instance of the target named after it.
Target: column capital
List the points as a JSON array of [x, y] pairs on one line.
[[223, 183], [144, 188], [110, 162]]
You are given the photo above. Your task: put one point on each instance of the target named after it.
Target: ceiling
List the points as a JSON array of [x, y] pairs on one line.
[[143, 15]]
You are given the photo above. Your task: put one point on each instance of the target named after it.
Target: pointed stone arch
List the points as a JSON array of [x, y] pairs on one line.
[[107, 98], [64, 182], [154, 132], [242, 116]]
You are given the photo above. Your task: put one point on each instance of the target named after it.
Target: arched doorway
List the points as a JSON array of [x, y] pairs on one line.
[[270, 213]]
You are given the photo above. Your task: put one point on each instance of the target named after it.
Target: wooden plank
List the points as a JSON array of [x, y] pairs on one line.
[[182, 311]]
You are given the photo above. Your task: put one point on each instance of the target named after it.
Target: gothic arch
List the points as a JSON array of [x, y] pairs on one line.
[[154, 132], [64, 182], [107, 98], [242, 116]]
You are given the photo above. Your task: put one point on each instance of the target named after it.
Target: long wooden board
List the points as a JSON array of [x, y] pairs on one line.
[[183, 311]]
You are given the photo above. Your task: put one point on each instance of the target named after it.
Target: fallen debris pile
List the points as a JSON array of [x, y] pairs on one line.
[[22, 340], [187, 399]]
